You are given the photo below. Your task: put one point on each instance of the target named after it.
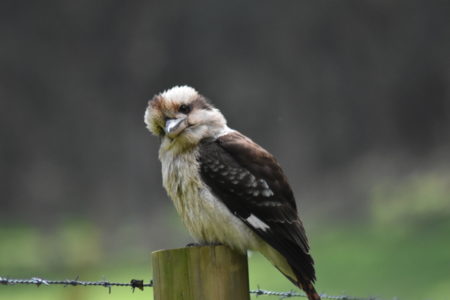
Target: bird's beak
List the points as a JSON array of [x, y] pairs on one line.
[[175, 126]]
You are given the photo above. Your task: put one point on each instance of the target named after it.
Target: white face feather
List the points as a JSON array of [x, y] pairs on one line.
[[180, 94], [202, 120]]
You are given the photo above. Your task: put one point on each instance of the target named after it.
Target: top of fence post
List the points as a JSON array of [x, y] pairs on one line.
[[200, 273]]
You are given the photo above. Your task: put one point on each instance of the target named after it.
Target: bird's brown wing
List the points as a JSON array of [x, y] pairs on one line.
[[250, 182]]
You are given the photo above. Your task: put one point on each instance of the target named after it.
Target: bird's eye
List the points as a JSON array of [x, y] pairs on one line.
[[184, 109]]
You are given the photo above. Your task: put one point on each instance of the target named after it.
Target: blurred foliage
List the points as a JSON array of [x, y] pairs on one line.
[[367, 260], [322, 85], [418, 199], [74, 246]]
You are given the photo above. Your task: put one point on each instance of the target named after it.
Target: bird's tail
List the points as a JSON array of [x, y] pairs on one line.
[[309, 290], [295, 275]]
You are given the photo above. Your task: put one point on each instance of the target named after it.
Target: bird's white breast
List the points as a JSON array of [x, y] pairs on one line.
[[207, 218]]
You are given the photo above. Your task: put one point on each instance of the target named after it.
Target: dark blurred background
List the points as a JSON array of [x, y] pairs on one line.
[[351, 96]]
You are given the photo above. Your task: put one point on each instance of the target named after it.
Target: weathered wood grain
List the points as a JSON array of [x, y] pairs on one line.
[[200, 273]]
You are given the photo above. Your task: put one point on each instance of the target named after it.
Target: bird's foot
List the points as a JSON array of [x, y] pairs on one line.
[[204, 244], [214, 244]]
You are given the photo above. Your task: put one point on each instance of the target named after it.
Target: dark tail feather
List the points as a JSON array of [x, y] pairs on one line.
[[306, 285], [310, 291]]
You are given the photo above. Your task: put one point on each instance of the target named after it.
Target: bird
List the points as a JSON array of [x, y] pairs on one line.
[[226, 188]]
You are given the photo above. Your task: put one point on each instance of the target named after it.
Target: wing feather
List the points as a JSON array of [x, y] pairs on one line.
[[251, 183]]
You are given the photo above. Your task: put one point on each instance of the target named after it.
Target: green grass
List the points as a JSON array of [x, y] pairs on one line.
[[401, 250], [366, 261], [359, 260], [387, 263]]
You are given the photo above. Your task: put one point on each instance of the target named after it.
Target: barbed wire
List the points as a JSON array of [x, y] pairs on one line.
[[134, 283], [292, 294], [139, 284]]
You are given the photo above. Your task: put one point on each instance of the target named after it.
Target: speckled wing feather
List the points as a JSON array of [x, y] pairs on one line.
[[250, 182]]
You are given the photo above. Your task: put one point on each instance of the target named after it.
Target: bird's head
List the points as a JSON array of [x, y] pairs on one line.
[[181, 115]]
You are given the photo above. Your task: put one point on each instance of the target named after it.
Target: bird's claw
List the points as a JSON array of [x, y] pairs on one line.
[[203, 244]]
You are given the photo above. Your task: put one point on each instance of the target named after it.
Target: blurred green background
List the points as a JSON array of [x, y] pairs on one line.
[[352, 97]]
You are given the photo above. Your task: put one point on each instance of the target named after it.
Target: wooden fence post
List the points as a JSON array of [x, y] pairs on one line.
[[200, 273]]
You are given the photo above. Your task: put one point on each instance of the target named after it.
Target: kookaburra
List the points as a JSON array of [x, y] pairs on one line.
[[226, 188]]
